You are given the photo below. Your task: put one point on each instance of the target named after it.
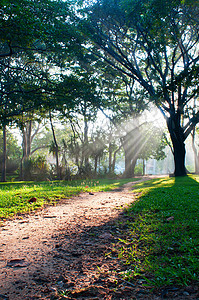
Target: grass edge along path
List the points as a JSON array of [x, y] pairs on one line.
[[17, 198], [159, 235]]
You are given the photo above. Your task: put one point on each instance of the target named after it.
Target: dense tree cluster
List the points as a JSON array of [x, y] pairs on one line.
[[72, 59], [156, 45]]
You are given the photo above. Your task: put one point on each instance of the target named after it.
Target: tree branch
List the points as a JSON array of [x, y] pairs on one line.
[[38, 148]]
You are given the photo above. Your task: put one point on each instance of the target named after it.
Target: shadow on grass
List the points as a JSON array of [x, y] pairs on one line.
[[99, 262], [164, 231]]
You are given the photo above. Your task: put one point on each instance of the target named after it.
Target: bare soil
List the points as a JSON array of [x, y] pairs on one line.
[[65, 248]]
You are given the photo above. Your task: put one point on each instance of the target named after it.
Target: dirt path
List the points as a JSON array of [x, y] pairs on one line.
[[63, 248]]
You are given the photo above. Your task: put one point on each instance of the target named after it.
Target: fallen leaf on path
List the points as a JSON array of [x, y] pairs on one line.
[[32, 200]]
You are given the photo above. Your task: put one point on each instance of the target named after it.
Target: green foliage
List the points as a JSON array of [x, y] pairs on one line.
[[35, 168], [155, 44], [15, 196], [32, 25], [36, 36], [153, 145], [139, 169], [161, 244], [13, 152]]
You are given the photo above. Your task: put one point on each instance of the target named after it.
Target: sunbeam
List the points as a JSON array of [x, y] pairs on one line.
[[136, 138]]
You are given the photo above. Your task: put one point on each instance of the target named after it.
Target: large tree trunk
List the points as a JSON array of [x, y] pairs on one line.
[[130, 163], [177, 138], [179, 158], [3, 175]]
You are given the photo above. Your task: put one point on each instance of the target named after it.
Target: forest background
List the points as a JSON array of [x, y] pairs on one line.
[[105, 73]]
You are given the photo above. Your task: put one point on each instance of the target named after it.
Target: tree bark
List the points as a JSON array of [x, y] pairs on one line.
[[110, 158], [114, 158], [95, 168], [86, 158], [177, 138], [143, 167], [26, 146], [3, 175], [56, 149], [29, 140], [130, 163]]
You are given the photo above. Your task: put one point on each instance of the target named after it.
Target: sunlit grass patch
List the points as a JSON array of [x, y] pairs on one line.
[[15, 197], [161, 244]]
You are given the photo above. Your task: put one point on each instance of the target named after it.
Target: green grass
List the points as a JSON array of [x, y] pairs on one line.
[[15, 196], [160, 244]]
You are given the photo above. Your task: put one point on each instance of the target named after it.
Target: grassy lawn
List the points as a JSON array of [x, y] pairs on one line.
[[159, 242], [159, 237], [15, 197]]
